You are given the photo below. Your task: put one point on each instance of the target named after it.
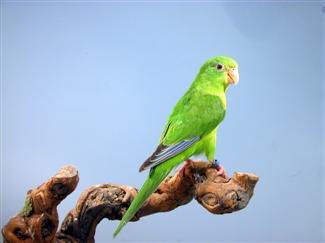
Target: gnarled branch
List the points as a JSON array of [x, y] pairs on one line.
[[38, 221]]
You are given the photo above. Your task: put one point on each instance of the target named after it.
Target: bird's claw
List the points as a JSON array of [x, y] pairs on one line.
[[215, 163], [220, 169]]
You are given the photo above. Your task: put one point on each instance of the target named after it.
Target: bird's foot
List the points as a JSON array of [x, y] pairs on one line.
[[220, 169]]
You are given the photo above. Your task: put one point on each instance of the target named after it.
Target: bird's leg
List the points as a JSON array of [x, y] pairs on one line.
[[221, 170]]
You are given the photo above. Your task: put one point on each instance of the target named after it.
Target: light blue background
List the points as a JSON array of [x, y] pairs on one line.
[[92, 83]]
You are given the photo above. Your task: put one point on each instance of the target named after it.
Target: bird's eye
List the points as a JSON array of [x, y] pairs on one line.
[[219, 67]]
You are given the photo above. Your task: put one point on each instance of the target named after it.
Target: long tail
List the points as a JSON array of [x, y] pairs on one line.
[[156, 176]]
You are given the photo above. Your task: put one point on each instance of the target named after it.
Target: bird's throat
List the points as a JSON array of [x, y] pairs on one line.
[[211, 84]]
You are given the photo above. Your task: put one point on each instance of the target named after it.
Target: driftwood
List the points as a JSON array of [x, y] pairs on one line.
[[38, 221]]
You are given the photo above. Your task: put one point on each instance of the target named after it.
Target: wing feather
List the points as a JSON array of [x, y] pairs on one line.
[[164, 153], [195, 115]]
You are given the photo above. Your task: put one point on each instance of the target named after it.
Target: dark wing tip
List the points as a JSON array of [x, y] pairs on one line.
[[142, 168], [148, 163], [145, 165]]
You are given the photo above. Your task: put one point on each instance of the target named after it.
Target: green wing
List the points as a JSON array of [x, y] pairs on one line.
[[194, 116]]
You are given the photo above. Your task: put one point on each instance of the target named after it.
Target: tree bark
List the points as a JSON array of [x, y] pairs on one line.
[[38, 220]]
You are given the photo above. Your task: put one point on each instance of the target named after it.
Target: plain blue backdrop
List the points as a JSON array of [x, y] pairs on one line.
[[92, 83]]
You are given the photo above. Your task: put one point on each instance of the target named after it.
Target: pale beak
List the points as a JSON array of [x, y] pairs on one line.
[[233, 76]]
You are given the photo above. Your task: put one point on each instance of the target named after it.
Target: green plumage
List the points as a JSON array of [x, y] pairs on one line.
[[191, 128]]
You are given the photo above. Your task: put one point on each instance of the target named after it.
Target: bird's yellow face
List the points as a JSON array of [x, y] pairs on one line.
[[228, 67]]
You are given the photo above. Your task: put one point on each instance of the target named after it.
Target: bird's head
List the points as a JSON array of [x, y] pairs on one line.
[[221, 69]]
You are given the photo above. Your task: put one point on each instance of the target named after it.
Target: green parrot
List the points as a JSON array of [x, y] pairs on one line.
[[191, 128]]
